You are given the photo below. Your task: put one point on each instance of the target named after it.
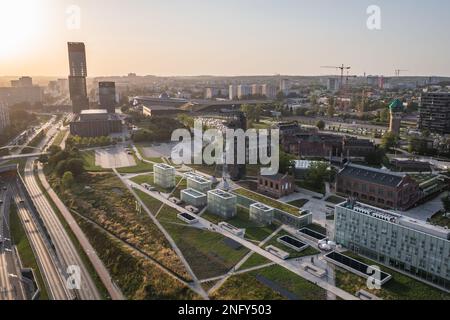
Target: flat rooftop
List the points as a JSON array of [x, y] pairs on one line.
[[197, 178], [396, 218], [261, 207], [94, 111], [194, 193], [163, 166], [222, 194]]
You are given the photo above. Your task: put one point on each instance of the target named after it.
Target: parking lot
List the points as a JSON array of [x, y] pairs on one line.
[[115, 157]]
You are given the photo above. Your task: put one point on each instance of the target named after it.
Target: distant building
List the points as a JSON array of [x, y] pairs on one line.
[[302, 167], [4, 117], [257, 90], [378, 187], [23, 82], [414, 247], [232, 92], [333, 84], [276, 186], [435, 112], [77, 78], [269, 91], [20, 94], [243, 91], [216, 92], [396, 110], [355, 147], [409, 165], [107, 96], [285, 86], [164, 175], [95, 123], [222, 203]]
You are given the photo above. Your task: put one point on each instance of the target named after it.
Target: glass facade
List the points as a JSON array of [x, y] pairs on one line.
[[164, 176], [222, 203]]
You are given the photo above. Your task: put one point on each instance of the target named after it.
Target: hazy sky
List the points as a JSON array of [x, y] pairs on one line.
[[228, 37]]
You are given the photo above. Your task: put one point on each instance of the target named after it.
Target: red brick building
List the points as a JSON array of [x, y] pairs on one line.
[[377, 187], [276, 186]]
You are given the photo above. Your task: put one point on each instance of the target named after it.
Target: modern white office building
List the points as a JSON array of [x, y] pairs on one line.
[[194, 198], [222, 203], [414, 247], [164, 175], [198, 182], [261, 214]]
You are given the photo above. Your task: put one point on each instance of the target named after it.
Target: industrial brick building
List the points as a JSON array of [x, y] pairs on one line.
[[378, 187], [276, 186]]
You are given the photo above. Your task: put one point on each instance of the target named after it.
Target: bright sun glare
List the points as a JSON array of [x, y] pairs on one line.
[[19, 23]]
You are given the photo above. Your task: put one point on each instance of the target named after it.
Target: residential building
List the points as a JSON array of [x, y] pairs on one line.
[[378, 187], [244, 91], [269, 91], [232, 92], [95, 123], [257, 90], [164, 175], [222, 203], [107, 96], [333, 84], [4, 116], [411, 246], [77, 77], [435, 112], [276, 186], [23, 82], [285, 86], [21, 91]]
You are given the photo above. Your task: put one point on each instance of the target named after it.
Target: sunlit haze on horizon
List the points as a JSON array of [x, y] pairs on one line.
[[234, 37]]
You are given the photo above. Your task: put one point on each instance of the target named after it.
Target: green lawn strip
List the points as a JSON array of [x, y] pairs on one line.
[[253, 230], [255, 260], [268, 201], [141, 147], [149, 179], [299, 203], [301, 288], [59, 137], [400, 287], [206, 252], [25, 251], [138, 278], [88, 158], [334, 199], [440, 220], [90, 268], [140, 167], [245, 287], [292, 253], [169, 214], [151, 203]]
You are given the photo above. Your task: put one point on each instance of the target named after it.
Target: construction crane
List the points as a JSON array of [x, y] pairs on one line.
[[342, 68], [399, 71]]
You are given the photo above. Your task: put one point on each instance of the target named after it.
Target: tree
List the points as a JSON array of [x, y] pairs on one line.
[[375, 157], [75, 166], [389, 141], [331, 110], [285, 161], [317, 174], [67, 179], [320, 124]]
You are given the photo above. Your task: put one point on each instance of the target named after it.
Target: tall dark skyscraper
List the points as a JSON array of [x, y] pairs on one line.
[[77, 77], [435, 112], [107, 96]]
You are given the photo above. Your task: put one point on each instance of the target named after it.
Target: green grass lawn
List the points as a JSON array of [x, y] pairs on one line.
[[206, 252], [88, 158], [292, 253], [20, 240], [311, 186], [335, 199], [245, 287], [151, 203], [149, 179], [400, 287], [268, 201], [253, 230], [141, 147], [303, 289], [299, 203], [59, 137], [254, 261], [140, 167], [439, 220]]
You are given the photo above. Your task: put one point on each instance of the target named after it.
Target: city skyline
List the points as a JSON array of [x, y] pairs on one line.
[[181, 39]]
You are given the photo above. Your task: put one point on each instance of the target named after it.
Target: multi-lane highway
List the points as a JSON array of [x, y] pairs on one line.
[[66, 252]]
